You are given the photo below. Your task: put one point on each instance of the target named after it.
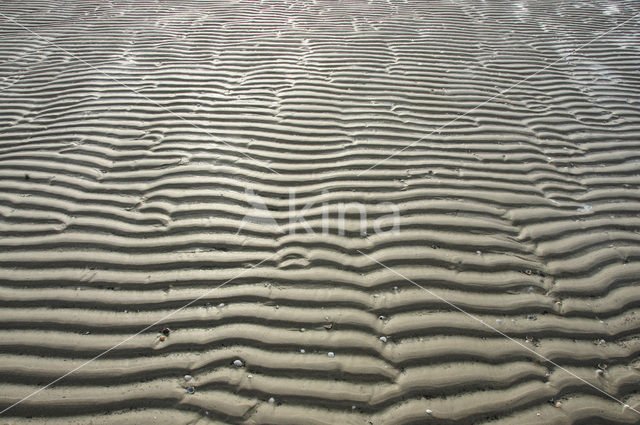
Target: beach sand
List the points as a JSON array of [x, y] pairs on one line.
[[183, 191]]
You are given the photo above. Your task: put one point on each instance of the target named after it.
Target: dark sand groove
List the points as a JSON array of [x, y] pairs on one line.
[[126, 158]]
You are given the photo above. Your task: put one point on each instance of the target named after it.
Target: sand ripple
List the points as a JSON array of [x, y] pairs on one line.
[[120, 201]]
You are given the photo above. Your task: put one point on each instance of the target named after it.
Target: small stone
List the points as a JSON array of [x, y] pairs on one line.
[[538, 414], [250, 376], [331, 354], [277, 307], [353, 407], [429, 412], [558, 404], [188, 378], [272, 400], [383, 339], [238, 363], [328, 326], [531, 317], [382, 317], [302, 329], [191, 390], [165, 331], [585, 208], [302, 351], [222, 305], [600, 372], [395, 289], [162, 338]]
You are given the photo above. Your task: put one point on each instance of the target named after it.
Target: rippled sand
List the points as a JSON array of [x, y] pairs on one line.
[[137, 138]]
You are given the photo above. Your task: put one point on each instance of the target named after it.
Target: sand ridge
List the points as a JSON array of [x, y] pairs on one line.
[[121, 202]]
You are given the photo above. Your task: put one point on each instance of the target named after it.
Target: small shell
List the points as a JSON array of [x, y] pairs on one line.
[[238, 363], [383, 339], [188, 378], [331, 354], [429, 412]]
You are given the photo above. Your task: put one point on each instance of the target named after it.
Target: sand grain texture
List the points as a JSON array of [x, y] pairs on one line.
[[131, 131]]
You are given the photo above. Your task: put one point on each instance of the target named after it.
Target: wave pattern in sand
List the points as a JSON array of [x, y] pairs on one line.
[[126, 152]]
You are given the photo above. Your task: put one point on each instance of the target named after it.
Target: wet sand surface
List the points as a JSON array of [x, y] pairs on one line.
[[138, 140]]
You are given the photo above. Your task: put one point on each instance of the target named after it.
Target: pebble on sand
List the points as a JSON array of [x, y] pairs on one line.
[[383, 339], [188, 378], [238, 363], [331, 354], [272, 400], [165, 331], [429, 411], [191, 390]]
